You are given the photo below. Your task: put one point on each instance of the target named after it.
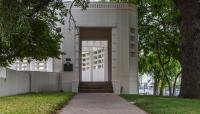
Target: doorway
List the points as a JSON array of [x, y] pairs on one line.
[[95, 54], [94, 61]]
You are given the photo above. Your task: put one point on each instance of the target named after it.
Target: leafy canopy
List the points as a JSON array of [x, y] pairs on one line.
[[28, 29], [159, 40]]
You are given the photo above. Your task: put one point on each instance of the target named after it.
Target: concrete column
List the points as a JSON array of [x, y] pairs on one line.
[[49, 65], [105, 63], [32, 66], [91, 64]]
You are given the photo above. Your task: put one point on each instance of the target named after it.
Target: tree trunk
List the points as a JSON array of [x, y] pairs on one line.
[[174, 86], [155, 88], [162, 88], [170, 89], [190, 29], [162, 66]]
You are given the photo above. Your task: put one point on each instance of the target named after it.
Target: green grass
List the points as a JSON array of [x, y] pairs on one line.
[[165, 105], [34, 103]]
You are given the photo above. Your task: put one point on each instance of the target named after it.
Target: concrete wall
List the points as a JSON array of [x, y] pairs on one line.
[[67, 79], [44, 81], [14, 83], [17, 82]]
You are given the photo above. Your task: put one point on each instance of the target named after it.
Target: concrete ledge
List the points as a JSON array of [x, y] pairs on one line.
[[116, 87], [75, 85]]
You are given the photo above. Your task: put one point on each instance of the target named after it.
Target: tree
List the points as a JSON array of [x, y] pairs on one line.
[[28, 28], [159, 42], [148, 65], [190, 30]]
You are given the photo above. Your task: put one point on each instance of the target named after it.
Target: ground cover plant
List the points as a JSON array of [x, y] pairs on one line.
[[34, 103], [165, 105]]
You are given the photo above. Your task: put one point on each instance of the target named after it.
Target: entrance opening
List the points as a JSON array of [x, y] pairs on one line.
[[94, 61], [97, 37]]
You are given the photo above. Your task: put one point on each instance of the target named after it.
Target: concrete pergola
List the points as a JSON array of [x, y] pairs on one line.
[[112, 22]]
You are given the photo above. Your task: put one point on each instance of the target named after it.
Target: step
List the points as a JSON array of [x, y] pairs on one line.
[[95, 91], [96, 87], [95, 83], [85, 84]]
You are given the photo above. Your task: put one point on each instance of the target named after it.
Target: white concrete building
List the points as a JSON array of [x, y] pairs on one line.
[[115, 23], [112, 22]]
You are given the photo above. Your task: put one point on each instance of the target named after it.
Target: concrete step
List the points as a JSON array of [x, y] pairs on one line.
[[95, 91], [96, 87], [95, 83]]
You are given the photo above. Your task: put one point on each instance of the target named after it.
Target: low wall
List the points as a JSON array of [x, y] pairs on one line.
[[44, 81], [14, 83], [17, 82], [66, 81]]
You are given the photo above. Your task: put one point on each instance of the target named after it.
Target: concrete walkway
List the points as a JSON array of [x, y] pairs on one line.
[[99, 103]]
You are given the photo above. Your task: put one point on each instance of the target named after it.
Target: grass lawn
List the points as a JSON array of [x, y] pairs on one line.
[[34, 103], [165, 105]]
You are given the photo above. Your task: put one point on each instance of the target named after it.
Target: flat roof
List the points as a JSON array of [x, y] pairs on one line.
[[103, 5]]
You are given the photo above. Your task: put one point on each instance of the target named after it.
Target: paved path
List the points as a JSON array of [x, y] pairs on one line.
[[99, 103]]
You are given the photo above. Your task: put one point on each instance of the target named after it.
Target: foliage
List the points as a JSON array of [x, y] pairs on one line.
[[34, 103], [159, 42], [165, 105], [28, 28]]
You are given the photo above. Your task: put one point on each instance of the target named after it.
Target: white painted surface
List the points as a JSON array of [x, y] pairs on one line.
[[44, 81], [2, 72], [67, 80], [116, 87], [75, 85], [86, 76], [17, 82], [98, 75], [14, 83]]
